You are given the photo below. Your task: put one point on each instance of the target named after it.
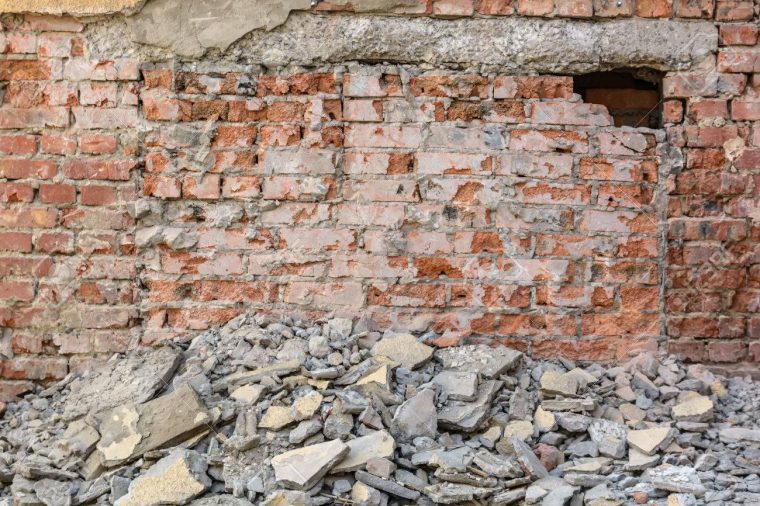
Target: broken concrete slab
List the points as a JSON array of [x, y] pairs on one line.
[[681, 479], [387, 486], [734, 434], [404, 349], [458, 385], [379, 444], [129, 431], [130, 380], [554, 383], [528, 460], [302, 468], [191, 27], [695, 408], [245, 377], [416, 417], [175, 479], [481, 359], [455, 493], [650, 441], [468, 416], [277, 417]]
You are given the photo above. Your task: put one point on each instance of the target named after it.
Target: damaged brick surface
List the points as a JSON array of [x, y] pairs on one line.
[[148, 195]]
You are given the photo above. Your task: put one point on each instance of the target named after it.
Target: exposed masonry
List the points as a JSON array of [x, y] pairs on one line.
[[144, 197]]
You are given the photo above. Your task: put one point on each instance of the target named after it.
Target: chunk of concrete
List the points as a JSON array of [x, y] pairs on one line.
[[484, 360], [468, 416], [175, 479], [695, 408], [133, 379], [458, 385], [650, 441], [129, 431], [680, 479], [302, 468], [416, 417], [379, 444], [405, 349]]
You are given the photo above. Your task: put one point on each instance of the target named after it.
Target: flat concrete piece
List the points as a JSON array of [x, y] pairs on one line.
[[133, 379], [130, 430], [379, 444], [301, 469]]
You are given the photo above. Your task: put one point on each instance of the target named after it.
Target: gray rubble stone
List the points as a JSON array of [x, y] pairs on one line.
[[455, 493], [528, 460], [468, 416], [457, 385], [681, 479], [484, 360], [129, 431], [130, 380], [404, 349], [416, 417], [302, 468], [387, 486], [376, 445]]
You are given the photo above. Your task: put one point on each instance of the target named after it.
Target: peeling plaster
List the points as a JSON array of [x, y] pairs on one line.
[[73, 7]]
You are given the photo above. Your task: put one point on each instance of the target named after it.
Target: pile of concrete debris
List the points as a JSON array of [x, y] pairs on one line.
[[294, 413]]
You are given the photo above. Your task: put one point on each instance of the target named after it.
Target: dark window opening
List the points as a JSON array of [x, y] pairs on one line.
[[632, 97]]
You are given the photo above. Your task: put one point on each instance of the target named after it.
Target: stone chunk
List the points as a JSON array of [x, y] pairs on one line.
[[696, 408], [277, 417], [638, 461], [405, 349], [528, 460], [609, 437], [129, 431], [416, 417], [650, 441], [175, 479], [133, 379], [455, 493], [554, 383], [468, 416], [380, 467], [458, 386], [278, 369], [302, 468], [306, 406], [733, 434], [387, 486], [484, 360], [544, 420], [379, 444], [681, 479], [249, 394]]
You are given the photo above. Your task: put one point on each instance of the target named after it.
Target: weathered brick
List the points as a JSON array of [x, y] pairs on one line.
[[382, 136], [117, 170], [654, 8], [613, 8], [37, 117], [16, 192]]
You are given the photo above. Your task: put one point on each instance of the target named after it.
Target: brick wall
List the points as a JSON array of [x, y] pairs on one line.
[[142, 201]]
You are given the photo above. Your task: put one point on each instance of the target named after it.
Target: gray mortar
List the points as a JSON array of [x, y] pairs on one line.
[[516, 45]]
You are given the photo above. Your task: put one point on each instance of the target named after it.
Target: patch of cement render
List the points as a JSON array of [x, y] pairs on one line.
[[504, 44], [73, 7], [191, 27]]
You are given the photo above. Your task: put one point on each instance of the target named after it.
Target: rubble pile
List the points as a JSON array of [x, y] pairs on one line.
[[284, 412]]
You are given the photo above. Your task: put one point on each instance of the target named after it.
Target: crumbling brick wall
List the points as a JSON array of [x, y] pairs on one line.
[[143, 200]]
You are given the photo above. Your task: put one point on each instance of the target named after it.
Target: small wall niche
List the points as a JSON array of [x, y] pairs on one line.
[[633, 97]]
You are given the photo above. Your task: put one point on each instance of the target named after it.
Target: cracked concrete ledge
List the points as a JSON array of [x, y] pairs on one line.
[[504, 44], [517, 44]]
